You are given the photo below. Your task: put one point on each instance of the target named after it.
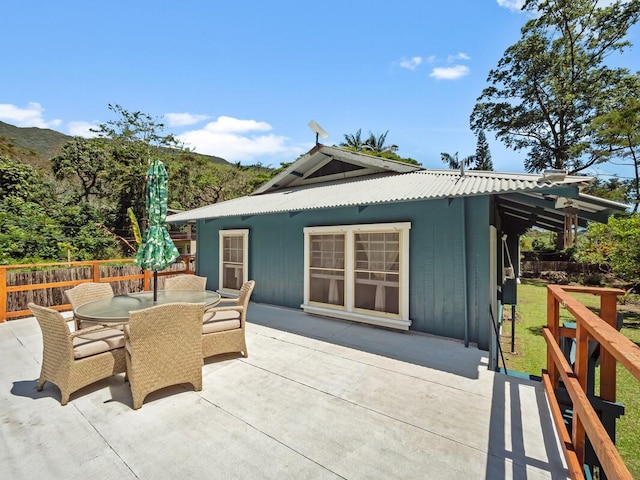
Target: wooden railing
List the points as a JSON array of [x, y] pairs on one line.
[[5, 289], [614, 347]]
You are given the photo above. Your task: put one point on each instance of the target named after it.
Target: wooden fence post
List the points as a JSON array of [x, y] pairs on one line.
[[607, 360], [96, 272], [145, 281], [3, 294], [553, 322], [580, 370]]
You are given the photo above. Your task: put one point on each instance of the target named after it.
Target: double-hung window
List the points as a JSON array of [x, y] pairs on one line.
[[359, 272], [234, 245], [326, 269]]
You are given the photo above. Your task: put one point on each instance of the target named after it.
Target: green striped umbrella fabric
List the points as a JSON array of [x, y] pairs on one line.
[[157, 250]]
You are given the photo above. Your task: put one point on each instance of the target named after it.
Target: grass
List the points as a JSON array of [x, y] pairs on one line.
[[531, 355]]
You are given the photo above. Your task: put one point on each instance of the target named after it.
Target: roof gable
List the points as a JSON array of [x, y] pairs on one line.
[[326, 164]]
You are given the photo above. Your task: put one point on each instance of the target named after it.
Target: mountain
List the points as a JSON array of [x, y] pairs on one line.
[[38, 145], [32, 145]]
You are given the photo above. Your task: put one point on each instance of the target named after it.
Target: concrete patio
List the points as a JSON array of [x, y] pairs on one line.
[[315, 399]]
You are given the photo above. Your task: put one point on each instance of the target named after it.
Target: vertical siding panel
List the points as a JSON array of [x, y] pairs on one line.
[[277, 260], [478, 267], [455, 291], [421, 295], [439, 240], [448, 271], [207, 261]]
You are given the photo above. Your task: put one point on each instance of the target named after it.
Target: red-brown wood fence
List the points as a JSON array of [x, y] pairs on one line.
[[45, 283], [614, 347]]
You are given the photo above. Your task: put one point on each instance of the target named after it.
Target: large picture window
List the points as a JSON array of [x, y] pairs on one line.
[[233, 259], [359, 272]]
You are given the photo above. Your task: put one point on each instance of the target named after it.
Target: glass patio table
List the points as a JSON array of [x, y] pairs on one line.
[[116, 309]]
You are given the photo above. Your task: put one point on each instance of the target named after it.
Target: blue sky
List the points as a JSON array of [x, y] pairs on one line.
[[242, 79]]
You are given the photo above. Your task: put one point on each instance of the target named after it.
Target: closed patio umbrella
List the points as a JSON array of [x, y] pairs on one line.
[[157, 250]]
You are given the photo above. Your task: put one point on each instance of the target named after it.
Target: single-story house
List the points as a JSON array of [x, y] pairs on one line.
[[343, 234]]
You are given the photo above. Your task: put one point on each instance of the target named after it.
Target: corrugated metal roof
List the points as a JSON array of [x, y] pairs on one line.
[[376, 189]]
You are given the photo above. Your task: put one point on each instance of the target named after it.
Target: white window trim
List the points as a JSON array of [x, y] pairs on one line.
[[349, 312], [244, 232]]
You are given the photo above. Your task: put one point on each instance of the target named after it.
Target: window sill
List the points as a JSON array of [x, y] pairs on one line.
[[395, 323]]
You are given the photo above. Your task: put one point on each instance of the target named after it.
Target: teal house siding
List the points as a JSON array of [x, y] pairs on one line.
[[449, 241], [479, 291], [458, 221]]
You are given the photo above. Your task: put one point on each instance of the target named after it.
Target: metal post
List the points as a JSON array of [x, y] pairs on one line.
[[513, 329]]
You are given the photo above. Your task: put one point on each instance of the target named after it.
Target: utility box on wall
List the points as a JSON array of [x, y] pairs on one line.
[[511, 269], [510, 292]]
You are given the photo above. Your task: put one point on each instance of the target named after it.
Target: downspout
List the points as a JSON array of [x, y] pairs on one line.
[[464, 274]]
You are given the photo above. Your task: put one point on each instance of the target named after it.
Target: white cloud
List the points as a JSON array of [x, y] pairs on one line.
[[29, 116], [511, 4], [235, 125], [449, 73], [458, 56], [82, 129], [236, 140], [184, 119], [411, 63]]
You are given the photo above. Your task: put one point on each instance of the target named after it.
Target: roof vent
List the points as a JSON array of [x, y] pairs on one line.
[[553, 175]]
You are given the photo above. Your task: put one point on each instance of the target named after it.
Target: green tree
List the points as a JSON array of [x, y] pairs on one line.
[[80, 225], [35, 224], [612, 189], [377, 143], [453, 162], [132, 139], [27, 229], [353, 141], [480, 161], [616, 244], [85, 161], [21, 180], [553, 82], [374, 145], [483, 154], [194, 182], [27, 232], [617, 132]]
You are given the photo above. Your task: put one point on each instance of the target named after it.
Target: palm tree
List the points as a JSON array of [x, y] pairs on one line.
[[454, 163], [377, 143], [354, 141]]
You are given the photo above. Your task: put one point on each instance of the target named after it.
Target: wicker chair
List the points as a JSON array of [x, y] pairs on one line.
[[223, 328], [85, 293], [163, 347], [74, 360], [185, 282]]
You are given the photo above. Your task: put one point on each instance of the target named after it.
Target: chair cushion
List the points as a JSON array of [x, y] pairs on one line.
[[220, 326], [93, 343], [220, 321]]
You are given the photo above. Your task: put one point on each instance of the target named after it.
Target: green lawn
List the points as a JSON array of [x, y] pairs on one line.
[[530, 357]]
